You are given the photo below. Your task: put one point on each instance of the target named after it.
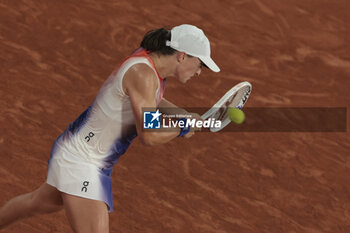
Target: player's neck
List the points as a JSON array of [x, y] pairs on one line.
[[164, 64]]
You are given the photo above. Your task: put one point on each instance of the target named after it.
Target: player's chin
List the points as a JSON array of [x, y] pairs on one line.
[[187, 79], [183, 81]]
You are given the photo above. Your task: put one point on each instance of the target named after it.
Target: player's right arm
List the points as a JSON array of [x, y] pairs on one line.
[[140, 84]]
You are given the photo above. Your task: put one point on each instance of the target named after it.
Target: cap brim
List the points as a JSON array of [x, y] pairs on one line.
[[210, 63]]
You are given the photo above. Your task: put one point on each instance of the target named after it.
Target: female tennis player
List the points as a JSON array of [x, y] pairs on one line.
[[83, 156]]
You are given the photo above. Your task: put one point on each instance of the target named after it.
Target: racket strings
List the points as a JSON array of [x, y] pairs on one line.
[[236, 100]]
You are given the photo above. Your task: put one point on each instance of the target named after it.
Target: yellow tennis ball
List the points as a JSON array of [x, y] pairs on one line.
[[236, 115]]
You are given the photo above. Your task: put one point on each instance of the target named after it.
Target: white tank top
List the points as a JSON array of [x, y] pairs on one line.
[[104, 131]]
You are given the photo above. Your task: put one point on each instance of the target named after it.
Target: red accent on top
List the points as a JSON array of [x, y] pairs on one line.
[[140, 52]]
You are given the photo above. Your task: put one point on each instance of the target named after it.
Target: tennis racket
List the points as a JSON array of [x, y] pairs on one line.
[[236, 98]]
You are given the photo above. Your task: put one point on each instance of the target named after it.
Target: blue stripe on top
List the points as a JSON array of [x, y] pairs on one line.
[[80, 121], [119, 148]]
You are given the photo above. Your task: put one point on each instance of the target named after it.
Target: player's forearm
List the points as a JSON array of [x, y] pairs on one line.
[[168, 108], [157, 138]]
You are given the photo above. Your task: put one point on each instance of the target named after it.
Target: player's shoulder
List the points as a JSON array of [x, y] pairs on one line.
[[141, 70], [141, 74]]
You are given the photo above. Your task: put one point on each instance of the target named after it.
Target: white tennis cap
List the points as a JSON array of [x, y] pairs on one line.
[[191, 40]]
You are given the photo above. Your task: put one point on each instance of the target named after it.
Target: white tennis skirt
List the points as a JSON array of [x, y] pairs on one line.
[[72, 175]]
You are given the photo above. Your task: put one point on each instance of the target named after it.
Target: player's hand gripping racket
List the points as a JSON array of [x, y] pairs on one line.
[[236, 98]]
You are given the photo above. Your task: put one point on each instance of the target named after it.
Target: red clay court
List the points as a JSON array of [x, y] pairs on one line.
[[55, 55]]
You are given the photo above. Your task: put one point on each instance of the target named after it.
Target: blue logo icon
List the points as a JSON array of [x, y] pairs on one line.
[[151, 120]]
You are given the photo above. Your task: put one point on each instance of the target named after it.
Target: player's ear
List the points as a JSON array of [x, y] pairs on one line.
[[180, 56]]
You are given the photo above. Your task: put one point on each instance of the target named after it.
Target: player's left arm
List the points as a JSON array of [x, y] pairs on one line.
[[167, 107]]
